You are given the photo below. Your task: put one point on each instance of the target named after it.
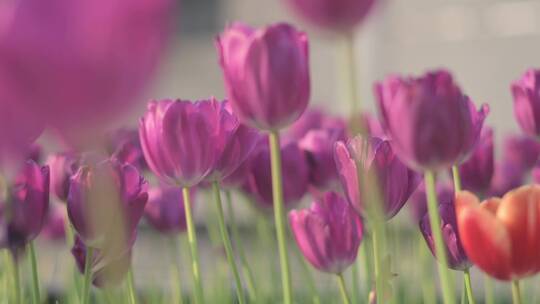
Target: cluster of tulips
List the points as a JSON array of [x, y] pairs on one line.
[[262, 141]]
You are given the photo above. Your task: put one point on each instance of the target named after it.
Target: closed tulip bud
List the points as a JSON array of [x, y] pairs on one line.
[[526, 92], [396, 181], [476, 172], [165, 209], [433, 125], [328, 233], [266, 73], [125, 146], [456, 256], [62, 167], [106, 202], [336, 15], [502, 236], [24, 207]]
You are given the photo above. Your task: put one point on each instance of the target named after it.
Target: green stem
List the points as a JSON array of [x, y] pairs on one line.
[[488, 290], [468, 286], [355, 296], [131, 287], [365, 253], [516, 293], [16, 280], [377, 243], [192, 239], [456, 178], [87, 276], [435, 221], [177, 285], [227, 243], [35, 277], [343, 289], [246, 269], [279, 215]]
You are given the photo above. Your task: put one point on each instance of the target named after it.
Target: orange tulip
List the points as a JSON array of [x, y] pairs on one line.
[[502, 236]]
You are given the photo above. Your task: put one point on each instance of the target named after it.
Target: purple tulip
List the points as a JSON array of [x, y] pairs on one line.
[[108, 268], [418, 202], [476, 172], [337, 15], [85, 61], [395, 180], [523, 151], [328, 233], [24, 207], [313, 119], [266, 73], [536, 173], [526, 92], [506, 176], [125, 146], [55, 223], [433, 125], [35, 153], [106, 200], [165, 209], [457, 258], [295, 168], [62, 166]]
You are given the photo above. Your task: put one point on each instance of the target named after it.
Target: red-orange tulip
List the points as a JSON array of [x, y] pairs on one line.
[[502, 236]]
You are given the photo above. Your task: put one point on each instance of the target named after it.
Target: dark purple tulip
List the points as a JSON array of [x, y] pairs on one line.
[[62, 166], [108, 268], [506, 176], [85, 61], [526, 92], [523, 151], [165, 209], [476, 172], [457, 258], [295, 168], [179, 139], [55, 223], [536, 173], [24, 207], [125, 146], [418, 202], [106, 200], [395, 180], [336, 15], [433, 125], [313, 119], [266, 73], [328, 233]]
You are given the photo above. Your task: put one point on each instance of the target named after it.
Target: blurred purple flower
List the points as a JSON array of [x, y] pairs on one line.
[[476, 172], [165, 209], [62, 166], [526, 93], [125, 146], [55, 223], [313, 119], [521, 150]]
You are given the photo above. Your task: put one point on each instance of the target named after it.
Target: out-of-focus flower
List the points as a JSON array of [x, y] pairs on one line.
[[85, 61], [107, 268], [336, 15], [62, 166], [433, 125], [125, 146], [106, 202], [179, 139], [526, 92], [395, 180], [418, 201], [328, 233], [456, 257], [313, 119], [536, 173], [165, 209], [35, 153], [55, 223], [502, 236], [371, 125], [266, 73], [506, 176], [476, 172], [522, 151], [295, 170], [24, 206]]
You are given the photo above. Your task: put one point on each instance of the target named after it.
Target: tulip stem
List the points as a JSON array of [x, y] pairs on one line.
[[227, 243], [246, 270], [435, 221], [87, 276], [488, 290], [468, 286], [192, 240], [516, 293], [131, 287], [35, 278], [279, 215], [456, 178], [17, 291], [343, 289]]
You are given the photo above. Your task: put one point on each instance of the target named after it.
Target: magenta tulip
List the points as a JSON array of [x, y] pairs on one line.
[[266, 73], [54, 228], [526, 92], [62, 167], [521, 150], [328, 233], [165, 209], [313, 119], [433, 125], [124, 145], [476, 172]]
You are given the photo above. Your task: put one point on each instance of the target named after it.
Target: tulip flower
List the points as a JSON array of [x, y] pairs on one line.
[[523, 151], [433, 125], [266, 73], [526, 93], [313, 119], [86, 61], [476, 172], [337, 15], [502, 235], [125, 146], [62, 167], [396, 181], [165, 209], [55, 223]]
